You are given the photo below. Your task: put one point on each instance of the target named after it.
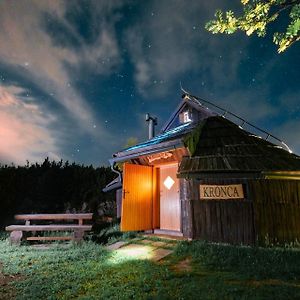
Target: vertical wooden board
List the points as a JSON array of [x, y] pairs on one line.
[[241, 222], [290, 225], [170, 210], [269, 211], [203, 224], [156, 198], [245, 217], [137, 198], [208, 221], [297, 220], [291, 214], [198, 219], [230, 209], [279, 214], [218, 220], [227, 222], [224, 222], [258, 218], [191, 219], [296, 215], [212, 210], [236, 222], [252, 231], [267, 221], [287, 222]]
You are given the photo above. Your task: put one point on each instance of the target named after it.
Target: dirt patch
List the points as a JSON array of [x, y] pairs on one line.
[[183, 265], [7, 291]]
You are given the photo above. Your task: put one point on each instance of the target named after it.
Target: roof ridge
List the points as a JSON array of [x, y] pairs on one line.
[[227, 112]]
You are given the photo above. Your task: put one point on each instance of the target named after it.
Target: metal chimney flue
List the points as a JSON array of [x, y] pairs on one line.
[[152, 121]]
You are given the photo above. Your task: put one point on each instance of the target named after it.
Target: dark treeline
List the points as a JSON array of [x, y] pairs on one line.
[[54, 187]]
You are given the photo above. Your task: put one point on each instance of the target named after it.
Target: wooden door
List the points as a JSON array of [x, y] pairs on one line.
[[137, 198], [170, 210]]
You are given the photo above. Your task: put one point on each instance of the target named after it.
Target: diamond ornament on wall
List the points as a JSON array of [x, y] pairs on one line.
[[169, 182]]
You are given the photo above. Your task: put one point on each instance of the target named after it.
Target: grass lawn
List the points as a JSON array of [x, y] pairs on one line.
[[196, 270]]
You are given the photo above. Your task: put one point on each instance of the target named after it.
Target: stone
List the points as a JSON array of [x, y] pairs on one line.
[[116, 245], [146, 241], [159, 254], [159, 244]]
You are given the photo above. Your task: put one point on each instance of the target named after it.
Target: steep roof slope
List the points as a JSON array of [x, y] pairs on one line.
[[218, 144]]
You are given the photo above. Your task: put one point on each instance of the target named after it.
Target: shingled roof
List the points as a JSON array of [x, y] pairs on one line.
[[218, 144]]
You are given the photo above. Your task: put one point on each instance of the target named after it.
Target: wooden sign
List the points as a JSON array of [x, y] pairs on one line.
[[233, 191]]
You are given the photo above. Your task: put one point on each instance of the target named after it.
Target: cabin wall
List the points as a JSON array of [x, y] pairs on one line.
[[228, 221], [276, 210], [186, 207], [268, 214]]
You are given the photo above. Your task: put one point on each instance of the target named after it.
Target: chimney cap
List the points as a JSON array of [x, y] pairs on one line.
[[150, 118]]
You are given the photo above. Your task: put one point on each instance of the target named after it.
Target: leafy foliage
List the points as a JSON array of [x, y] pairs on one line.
[[192, 140], [131, 142], [257, 15], [53, 187]]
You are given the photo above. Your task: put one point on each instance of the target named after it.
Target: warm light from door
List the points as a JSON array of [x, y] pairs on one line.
[[168, 183]]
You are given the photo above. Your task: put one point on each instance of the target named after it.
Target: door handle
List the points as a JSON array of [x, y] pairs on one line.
[[124, 193]]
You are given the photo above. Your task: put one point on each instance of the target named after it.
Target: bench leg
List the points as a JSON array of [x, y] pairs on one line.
[[78, 236], [16, 237]]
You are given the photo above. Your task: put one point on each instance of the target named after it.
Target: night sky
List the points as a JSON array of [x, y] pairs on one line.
[[77, 77]]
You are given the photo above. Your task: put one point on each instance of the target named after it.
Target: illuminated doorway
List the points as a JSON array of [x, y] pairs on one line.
[[170, 210]]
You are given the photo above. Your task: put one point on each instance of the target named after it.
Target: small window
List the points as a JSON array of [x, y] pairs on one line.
[[186, 117]]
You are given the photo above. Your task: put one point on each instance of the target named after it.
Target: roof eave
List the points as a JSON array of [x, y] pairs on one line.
[[161, 147]]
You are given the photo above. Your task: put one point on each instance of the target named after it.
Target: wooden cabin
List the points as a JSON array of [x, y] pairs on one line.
[[205, 177]]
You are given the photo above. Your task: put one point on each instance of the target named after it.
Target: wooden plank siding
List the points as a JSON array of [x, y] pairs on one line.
[[224, 221], [137, 202], [269, 214], [170, 208], [156, 204], [186, 207], [228, 221], [276, 210]]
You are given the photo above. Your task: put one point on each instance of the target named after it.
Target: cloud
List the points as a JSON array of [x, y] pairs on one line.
[[248, 104], [25, 132], [30, 51], [168, 44], [52, 64]]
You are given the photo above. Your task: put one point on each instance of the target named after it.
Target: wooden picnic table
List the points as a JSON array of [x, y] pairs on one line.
[[78, 230]]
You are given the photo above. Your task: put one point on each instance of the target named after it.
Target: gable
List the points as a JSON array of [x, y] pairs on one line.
[[188, 111]]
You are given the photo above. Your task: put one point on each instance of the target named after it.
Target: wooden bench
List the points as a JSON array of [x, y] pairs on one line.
[[16, 231]]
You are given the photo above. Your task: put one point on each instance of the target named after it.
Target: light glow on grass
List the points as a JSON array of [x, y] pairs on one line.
[[131, 252]]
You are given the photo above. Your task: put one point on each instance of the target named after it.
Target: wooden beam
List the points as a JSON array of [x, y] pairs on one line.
[[49, 238], [87, 216], [48, 227]]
